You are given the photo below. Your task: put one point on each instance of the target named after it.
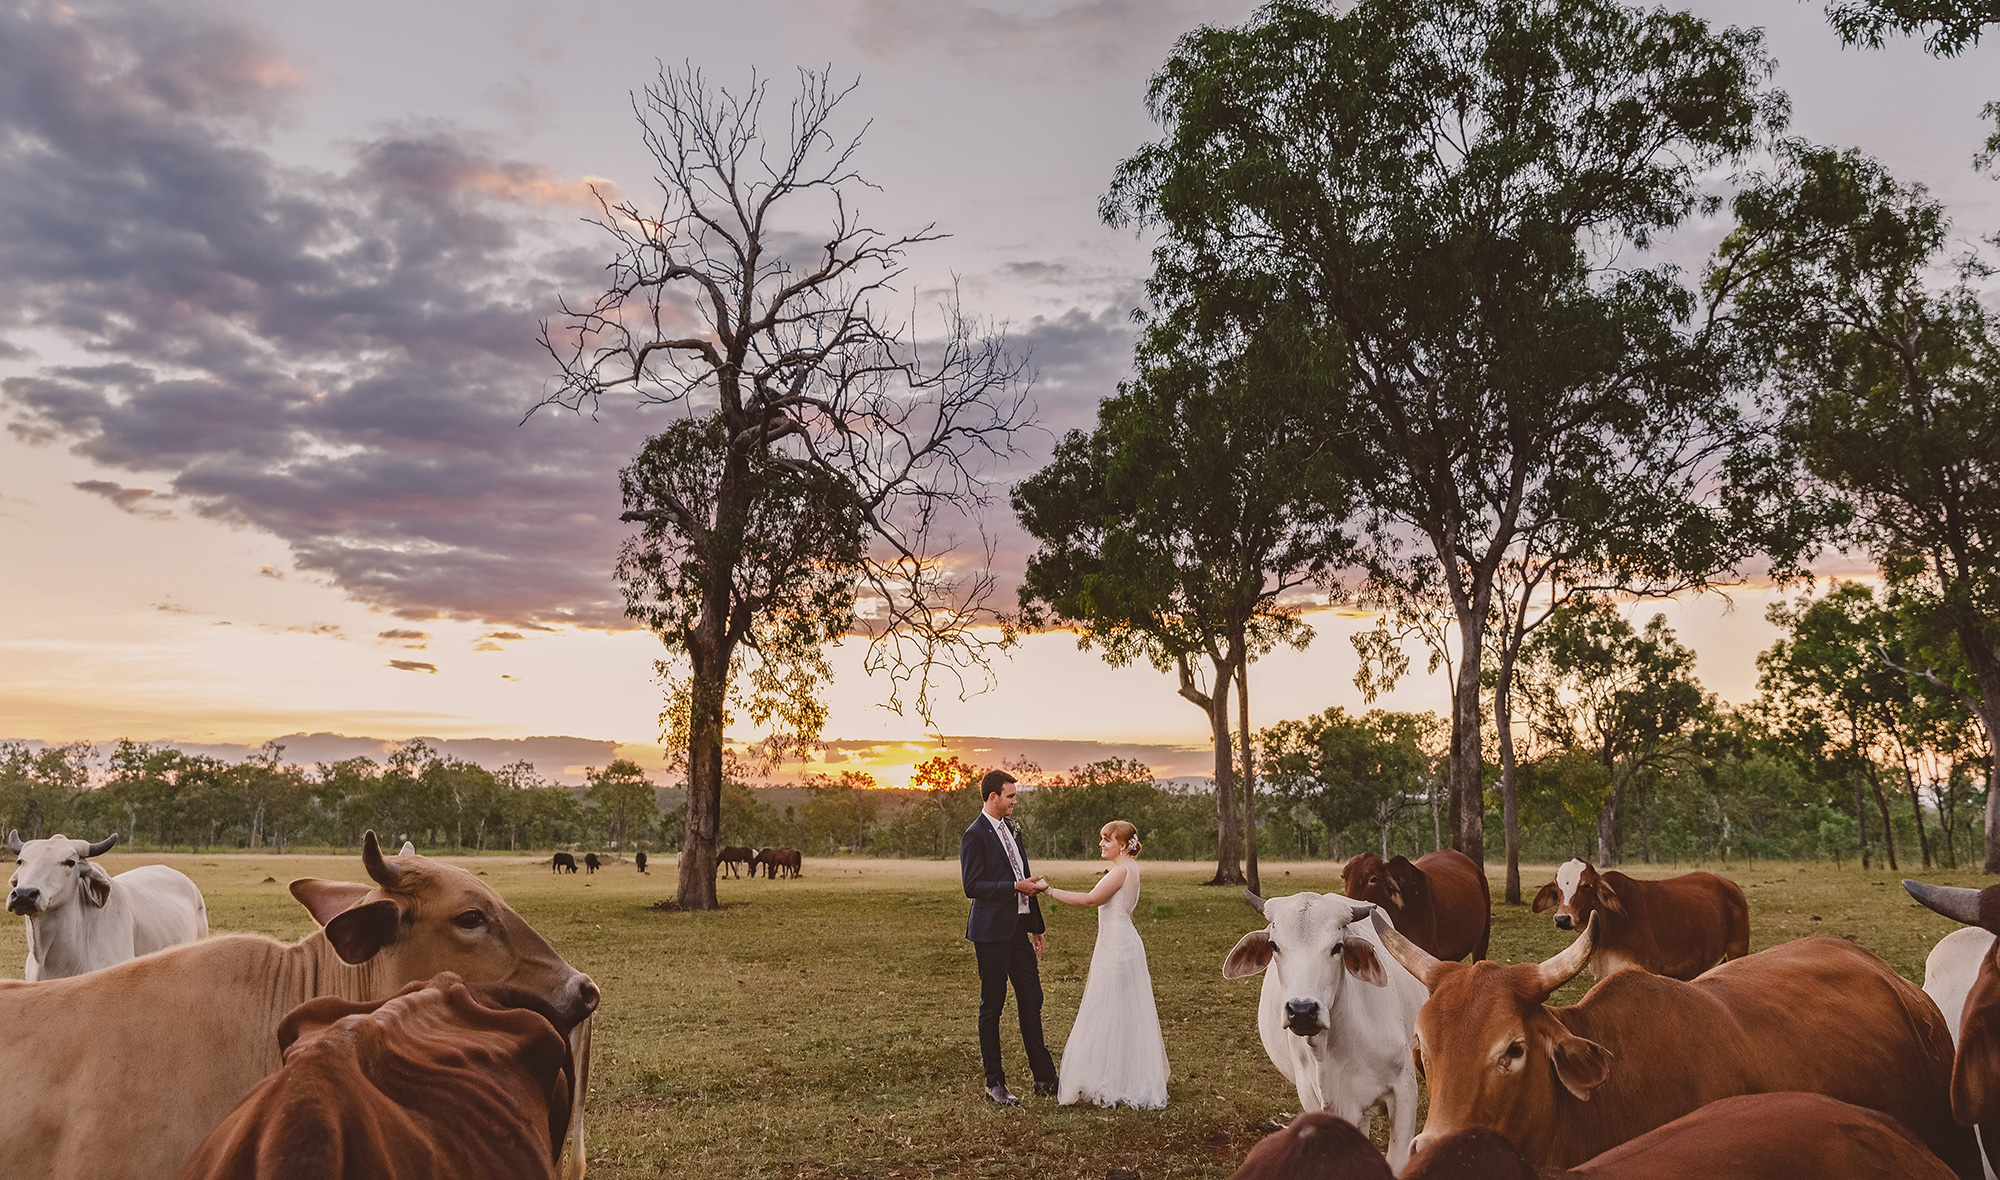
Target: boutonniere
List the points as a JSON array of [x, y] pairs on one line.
[[1013, 825]]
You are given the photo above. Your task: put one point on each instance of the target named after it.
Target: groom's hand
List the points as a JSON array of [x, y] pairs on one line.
[[1039, 942], [1027, 886]]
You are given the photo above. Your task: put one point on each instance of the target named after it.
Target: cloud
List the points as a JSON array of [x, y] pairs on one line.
[[137, 501], [503, 636], [404, 633], [341, 358], [413, 666], [265, 571], [1076, 44]]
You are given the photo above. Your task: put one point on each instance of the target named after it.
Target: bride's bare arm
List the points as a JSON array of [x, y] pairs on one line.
[[1096, 897]]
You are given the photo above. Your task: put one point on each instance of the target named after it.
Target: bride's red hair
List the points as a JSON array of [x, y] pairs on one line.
[[1125, 833]]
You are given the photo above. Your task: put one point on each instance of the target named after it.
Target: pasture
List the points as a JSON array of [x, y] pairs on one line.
[[823, 1027]]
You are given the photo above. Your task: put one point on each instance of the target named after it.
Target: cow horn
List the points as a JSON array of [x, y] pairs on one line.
[[14, 839], [1565, 966], [1415, 959], [1256, 903], [381, 871], [409, 849], [101, 847], [1954, 902]]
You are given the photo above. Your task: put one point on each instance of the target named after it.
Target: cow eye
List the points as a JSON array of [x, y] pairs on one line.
[[1515, 1051], [1273, 946], [469, 920], [69, 864], [1338, 947]]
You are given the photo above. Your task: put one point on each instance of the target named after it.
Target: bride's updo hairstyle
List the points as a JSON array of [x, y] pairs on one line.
[[1123, 832]]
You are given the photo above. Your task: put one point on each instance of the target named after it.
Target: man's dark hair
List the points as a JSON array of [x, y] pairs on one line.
[[991, 784]]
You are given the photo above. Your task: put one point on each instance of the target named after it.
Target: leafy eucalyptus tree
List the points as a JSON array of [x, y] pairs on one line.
[[1184, 527], [1459, 192], [1590, 681], [1890, 379], [817, 453]]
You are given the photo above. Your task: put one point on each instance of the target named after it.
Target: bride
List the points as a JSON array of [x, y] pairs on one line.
[[1115, 1053]]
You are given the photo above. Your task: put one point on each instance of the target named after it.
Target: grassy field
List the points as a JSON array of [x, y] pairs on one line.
[[824, 1027]]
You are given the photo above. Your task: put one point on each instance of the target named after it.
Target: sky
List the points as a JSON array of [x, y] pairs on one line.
[[273, 274]]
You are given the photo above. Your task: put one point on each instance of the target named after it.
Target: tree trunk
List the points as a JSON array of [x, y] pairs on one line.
[[1986, 672], [1467, 792], [704, 791], [1249, 780], [1503, 721], [1860, 813], [1916, 808], [1228, 866], [1882, 806]]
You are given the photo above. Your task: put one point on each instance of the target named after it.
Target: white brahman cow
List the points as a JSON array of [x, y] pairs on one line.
[[1337, 1016], [81, 918]]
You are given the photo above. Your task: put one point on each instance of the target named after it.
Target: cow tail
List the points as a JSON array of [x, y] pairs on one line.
[[580, 1053]]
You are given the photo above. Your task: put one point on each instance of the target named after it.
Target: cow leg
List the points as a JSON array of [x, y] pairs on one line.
[[1402, 1104]]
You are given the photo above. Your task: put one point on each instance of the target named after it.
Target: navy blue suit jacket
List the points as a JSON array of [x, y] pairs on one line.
[[989, 882]]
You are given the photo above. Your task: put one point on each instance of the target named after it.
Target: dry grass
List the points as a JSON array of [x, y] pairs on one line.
[[824, 1027]]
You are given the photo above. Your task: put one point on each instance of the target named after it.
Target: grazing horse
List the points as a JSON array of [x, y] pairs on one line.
[[731, 858]]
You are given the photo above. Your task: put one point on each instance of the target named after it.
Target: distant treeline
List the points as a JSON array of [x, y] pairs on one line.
[[1622, 756]]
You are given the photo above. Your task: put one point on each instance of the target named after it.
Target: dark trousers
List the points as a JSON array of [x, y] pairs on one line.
[[1000, 962]]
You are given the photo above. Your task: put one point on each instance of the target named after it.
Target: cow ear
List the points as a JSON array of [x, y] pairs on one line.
[[1358, 955], [1581, 1065], [326, 899], [1547, 899], [96, 883], [1608, 897], [1405, 878], [357, 934], [1251, 954]]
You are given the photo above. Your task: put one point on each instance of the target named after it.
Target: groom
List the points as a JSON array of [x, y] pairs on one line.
[[1006, 932]]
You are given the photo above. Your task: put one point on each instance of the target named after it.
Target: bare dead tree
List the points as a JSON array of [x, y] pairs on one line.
[[825, 448]]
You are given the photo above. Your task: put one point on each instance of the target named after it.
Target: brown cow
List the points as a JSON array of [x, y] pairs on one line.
[[444, 1081], [151, 1054], [1314, 1146], [1819, 1014], [1441, 903], [1975, 1071], [1679, 927], [1786, 1136], [731, 859]]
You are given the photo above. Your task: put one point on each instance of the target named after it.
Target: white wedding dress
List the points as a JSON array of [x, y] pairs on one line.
[[1115, 1053]]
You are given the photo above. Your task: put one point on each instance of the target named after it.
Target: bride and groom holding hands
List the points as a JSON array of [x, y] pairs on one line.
[[1114, 1053]]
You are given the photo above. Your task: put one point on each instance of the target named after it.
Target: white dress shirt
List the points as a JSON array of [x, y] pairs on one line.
[[1013, 858]]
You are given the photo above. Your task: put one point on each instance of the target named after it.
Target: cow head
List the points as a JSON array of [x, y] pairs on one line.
[[1310, 951], [1577, 892], [422, 917], [1975, 1069], [1491, 1051], [1314, 1146], [47, 873], [1394, 884]]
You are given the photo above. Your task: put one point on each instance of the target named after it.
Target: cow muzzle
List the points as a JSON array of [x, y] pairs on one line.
[[1302, 1017], [25, 902], [582, 999], [1565, 922]]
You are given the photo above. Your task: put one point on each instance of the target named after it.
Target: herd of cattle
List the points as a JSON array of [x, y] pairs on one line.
[[1689, 1057], [425, 1030]]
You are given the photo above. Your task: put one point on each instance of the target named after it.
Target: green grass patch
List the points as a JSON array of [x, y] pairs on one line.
[[824, 1027]]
